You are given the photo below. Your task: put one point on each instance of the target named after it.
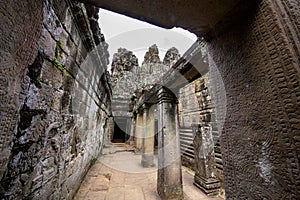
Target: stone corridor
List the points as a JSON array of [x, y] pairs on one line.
[[119, 175], [228, 107]]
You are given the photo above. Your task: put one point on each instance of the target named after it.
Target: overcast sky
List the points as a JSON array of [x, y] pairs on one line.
[[138, 36]]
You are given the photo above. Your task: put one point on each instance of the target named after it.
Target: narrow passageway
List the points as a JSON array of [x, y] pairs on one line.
[[118, 175], [225, 105]]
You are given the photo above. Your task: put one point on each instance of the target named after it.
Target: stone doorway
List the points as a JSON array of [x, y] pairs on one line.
[[156, 136], [120, 131]]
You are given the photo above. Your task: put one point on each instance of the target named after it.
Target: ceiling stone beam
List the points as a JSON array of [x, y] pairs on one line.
[[198, 16]]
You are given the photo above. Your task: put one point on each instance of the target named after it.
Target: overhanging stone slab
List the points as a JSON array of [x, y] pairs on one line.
[[172, 13]]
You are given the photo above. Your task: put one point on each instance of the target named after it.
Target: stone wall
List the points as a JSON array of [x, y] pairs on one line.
[[124, 81], [55, 97], [129, 79], [123, 61], [196, 107], [256, 51]]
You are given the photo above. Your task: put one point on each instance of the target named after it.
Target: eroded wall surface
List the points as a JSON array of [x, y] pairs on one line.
[[258, 60], [55, 97]]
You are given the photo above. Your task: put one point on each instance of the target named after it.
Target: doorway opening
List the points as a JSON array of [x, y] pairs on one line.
[[156, 136], [120, 130]]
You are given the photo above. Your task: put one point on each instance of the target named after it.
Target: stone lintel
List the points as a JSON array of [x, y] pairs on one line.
[[165, 95], [196, 16]]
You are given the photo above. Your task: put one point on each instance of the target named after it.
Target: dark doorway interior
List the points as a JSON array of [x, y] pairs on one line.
[[119, 135], [120, 129], [156, 136]]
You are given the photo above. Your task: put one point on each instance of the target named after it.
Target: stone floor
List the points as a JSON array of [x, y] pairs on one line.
[[118, 175]]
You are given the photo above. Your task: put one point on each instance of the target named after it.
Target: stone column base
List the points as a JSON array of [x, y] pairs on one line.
[[148, 160], [170, 192], [210, 186]]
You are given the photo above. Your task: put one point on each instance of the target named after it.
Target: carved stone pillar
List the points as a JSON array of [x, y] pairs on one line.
[[109, 131], [132, 130], [148, 137], [139, 131], [169, 179], [205, 160]]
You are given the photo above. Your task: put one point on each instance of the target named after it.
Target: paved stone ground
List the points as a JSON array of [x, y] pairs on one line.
[[118, 175]]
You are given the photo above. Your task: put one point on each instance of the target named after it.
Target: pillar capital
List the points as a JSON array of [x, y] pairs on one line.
[[166, 95]]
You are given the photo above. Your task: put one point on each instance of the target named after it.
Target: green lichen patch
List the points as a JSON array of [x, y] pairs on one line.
[[58, 54]]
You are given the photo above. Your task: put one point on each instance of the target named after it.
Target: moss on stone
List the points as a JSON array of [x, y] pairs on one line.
[[58, 54], [38, 82], [179, 191]]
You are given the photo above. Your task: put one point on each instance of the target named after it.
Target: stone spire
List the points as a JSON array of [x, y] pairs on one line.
[[123, 60], [171, 57], [151, 55]]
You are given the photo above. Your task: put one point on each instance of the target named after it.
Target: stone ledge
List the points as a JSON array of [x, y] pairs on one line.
[[210, 186]]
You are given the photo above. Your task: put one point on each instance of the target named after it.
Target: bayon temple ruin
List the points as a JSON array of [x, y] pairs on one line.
[[219, 121]]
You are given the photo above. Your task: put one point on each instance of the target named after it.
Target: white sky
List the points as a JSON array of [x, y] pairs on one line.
[[138, 36]]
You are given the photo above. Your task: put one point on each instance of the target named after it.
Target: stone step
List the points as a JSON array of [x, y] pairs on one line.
[[186, 130], [186, 136], [188, 154], [219, 161], [186, 142], [187, 148]]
